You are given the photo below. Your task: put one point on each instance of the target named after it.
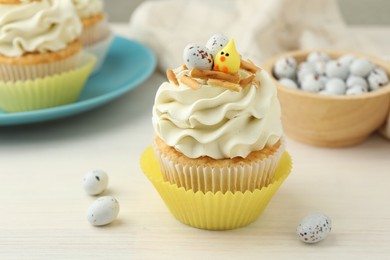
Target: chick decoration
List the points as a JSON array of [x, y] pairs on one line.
[[227, 59]]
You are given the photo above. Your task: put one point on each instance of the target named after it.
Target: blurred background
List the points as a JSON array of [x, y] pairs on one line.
[[355, 12]]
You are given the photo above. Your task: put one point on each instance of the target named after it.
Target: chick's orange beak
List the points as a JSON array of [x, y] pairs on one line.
[[222, 58]]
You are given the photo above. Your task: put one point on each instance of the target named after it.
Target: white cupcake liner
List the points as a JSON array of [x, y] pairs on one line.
[[96, 33], [11, 72], [100, 51], [246, 177]]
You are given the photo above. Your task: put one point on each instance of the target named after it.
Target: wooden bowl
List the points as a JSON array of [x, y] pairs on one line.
[[332, 121]]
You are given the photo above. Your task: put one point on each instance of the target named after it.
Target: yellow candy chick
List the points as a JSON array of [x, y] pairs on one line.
[[227, 59]]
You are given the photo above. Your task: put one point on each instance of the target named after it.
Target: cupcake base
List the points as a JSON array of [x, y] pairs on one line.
[[51, 91], [39, 65], [207, 174], [213, 211]]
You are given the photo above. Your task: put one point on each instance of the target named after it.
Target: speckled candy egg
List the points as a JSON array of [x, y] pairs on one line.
[[216, 43], [356, 90], [377, 78], [335, 69], [346, 59], [361, 67], [320, 67], [304, 69], [197, 56], [312, 83], [335, 86], [95, 182], [356, 80], [285, 67], [318, 56], [289, 83], [314, 228], [103, 211]]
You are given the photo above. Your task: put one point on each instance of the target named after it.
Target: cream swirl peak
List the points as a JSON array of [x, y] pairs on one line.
[[218, 122], [88, 8], [37, 26]]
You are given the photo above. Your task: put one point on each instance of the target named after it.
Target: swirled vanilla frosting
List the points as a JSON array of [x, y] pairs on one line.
[[37, 26], [217, 122], [88, 8]]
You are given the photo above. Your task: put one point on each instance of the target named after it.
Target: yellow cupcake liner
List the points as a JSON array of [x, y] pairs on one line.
[[213, 211], [51, 91]]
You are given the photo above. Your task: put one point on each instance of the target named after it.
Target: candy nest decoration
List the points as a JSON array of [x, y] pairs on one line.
[[221, 71], [331, 98], [213, 211]]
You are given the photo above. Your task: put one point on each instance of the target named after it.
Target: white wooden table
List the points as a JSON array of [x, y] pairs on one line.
[[43, 206]]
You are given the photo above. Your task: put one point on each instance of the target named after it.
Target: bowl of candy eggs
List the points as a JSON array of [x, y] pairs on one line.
[[331, 98]]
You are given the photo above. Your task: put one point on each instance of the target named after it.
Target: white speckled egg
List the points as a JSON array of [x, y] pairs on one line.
[[197, 56], [216, 43], [335, 69], [377, 78], [318, 56], [314, 228], [361, 67], [312, 83], [285, 67], [103, 211], [304, 69], [335, 86], [356, 80], [356, 90], [346, 59], [95, 182], [320, 67], [289, 83]]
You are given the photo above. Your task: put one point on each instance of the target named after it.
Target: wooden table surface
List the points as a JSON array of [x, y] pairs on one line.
[[43, 206]]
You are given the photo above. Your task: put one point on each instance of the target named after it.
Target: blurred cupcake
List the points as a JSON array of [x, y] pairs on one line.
[[96, 36], [39, 42], [218, 138], [38, 39]]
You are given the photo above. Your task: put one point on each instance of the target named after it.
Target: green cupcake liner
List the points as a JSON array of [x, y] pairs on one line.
[[51, 91]]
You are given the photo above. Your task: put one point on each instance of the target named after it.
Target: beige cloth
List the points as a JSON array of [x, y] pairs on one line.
[[261, 28]]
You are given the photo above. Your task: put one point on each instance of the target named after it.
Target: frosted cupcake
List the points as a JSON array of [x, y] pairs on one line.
[[218, 155], [96, 36], [40, 52], [217, 122]]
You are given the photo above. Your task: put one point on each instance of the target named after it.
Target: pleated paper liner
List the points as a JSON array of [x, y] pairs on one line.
[[51, 91], [248, 175], [213, 211], [9, 72]]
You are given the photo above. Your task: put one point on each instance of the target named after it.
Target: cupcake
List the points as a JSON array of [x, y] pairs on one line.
[[40, 51], [218, 138], [217, 130], [96, 36]]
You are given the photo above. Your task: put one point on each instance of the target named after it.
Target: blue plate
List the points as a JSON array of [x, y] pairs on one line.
[[128, 64]]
